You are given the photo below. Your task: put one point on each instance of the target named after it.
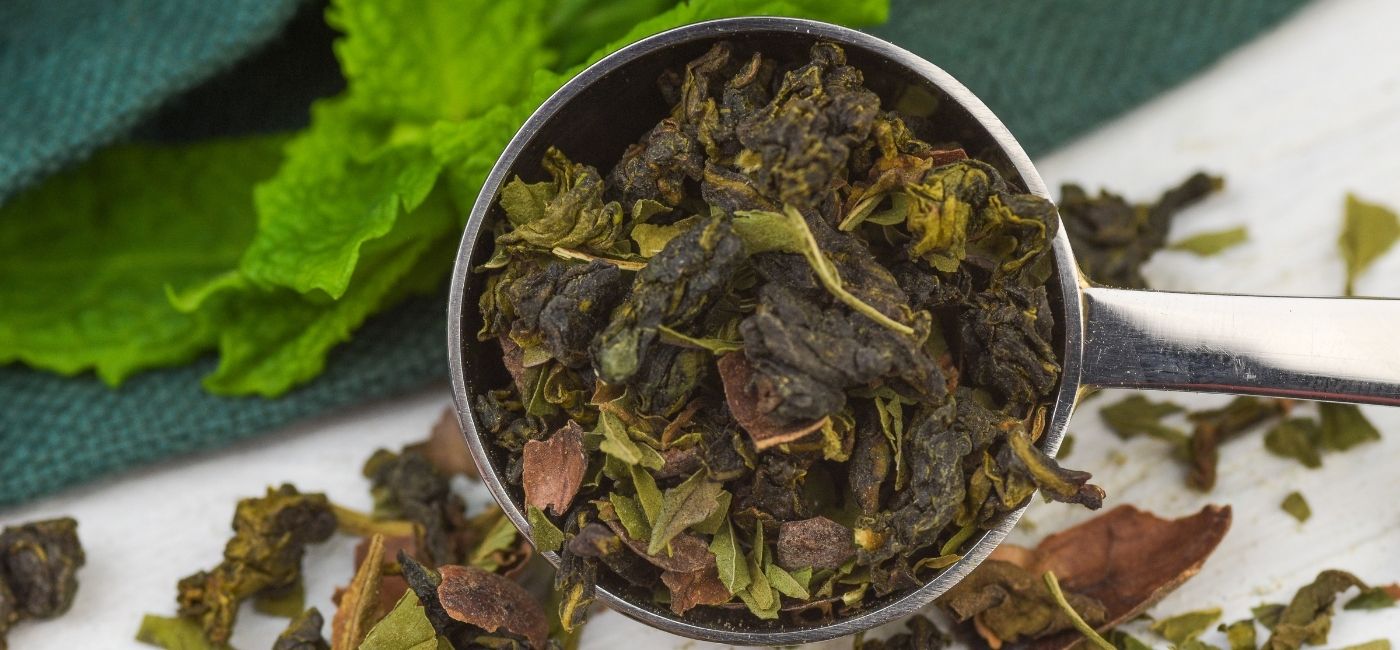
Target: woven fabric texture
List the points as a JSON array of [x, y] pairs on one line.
[[1051, 69]]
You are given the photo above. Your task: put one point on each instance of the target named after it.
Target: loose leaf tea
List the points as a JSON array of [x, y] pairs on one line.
[[923, 634], [1295, 505], [1183, 627], [1212, 243], [270, 536], [39, 564], [785, 353], [1308, 617], [304, 633], [1368, 231]]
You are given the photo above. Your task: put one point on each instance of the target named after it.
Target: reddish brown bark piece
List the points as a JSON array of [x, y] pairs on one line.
[[689, 590], [554, 469], [736, 373], [1126, 559], [818, 542], [491, 602], [446, 448]]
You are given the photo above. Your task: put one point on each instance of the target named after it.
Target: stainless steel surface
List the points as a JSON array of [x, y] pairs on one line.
[[1332, 349], [1189, 342]]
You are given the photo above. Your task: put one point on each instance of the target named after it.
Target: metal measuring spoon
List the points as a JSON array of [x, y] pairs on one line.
[[1337, 349]]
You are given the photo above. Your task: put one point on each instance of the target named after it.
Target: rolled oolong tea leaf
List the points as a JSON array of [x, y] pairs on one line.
[[39, 564], [304, 633], [271, 534], [1295, 505], [743, 402], [406, 486], [1368, 231]]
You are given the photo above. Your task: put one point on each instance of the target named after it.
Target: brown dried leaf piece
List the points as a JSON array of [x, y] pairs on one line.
[[446, 448], [818, 542], [1126, 559], [735, 371], [491, 602], [359, 604], [554, 469], [688, 590]]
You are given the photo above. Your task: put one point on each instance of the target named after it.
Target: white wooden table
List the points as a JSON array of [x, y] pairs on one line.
[[1293, 120]]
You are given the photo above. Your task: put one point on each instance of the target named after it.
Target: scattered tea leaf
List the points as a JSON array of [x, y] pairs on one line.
[[303, 633], [491, 602], [287, 602], [1372, 598], [39, 564], [1368, 231], [1212, 243], [174, 633], [1308, 617], [1124, 641], [1183, 627], [819, 543], [354, 522], [359, 604], [1240, 634], [553, 469], [1268, 614], [1078, 621], [689, 590], [406, 627], [1295, 438], [1344, 426], [732, 565], [685, 505], [446, 447], [1294, 504], [1136, 414], [1378, 644]]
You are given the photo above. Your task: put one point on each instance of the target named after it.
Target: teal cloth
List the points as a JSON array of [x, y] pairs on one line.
[[1051, 69]]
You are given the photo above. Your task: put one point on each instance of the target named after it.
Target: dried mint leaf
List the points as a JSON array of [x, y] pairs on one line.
[[1183, 627], [270, 537], [1368, 231], [543, 532], [1296, 438], [1308, 617], [1373, 598], [1344, 426], [1240, 634], [1295, 505]]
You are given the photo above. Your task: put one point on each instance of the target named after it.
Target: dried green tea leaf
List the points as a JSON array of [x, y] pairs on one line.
[[711, 524], [1080, 624], [1124, 641], [648, 496], [1184, 627], [819, 543], [1378, 644], [1294, 504], [1010, 604], [543, 532], [406, 627], [784, 582], [1136, 414], [502, 535], [571, 214], [174, 633], [39, 564], [689, 590], [737, 373], [286, 602], [406, 486], [446, 447], [1344, 426], [1368, 231], [1212, 243], [713, 345], [1372, 598], [270, 537], [633, 519], [491, 602], [1308, 617], [1215, 426], [1240, 634], [1268, 614], [360, 524], [553, 469], [733, 566], [303, 633], [1296, 438], [619, 444], [359, 603], [683, 506], [651, 238]]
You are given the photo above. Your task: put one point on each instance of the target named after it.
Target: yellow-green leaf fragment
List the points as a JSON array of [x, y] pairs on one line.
[[1372, 598], [631, 516], [1136, 414], [1212, 243], [784, 582], [546, 535], [1240, 634], [501, 536], [682, 506], [619, 444], [406, 627], [1184, 627], [651, 238], [1295, 505], [648, 495], [174, 633], [1368, 231], [716, 346], [1295, 438], [729, 557], [1344, 426]]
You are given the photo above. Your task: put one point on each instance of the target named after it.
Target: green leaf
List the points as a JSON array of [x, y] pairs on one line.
[[648, 495], [1371, 598], [1212, 243], [86, 257], [716, 346], [783, 581], [499, 538], [1368, 231], [405, 627], [632, 518], [1124, 641], [1294, 504], [1267, 614], [729, 557], [712, 523], [689, 503], [1240, 634], [1295, 438], [1135, 414], [174, 633], [1183, 627], [1344, 426], [619, 444], [651, 238], [546, 535], [424, 59]]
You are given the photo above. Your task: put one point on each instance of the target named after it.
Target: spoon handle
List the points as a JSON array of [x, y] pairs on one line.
[[1329, 349]]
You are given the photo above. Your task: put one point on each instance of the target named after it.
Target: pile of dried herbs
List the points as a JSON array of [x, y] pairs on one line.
[[39, 564], [782, 356]]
